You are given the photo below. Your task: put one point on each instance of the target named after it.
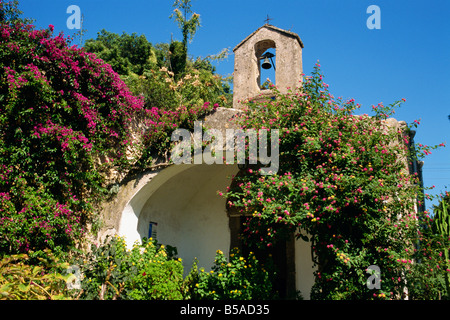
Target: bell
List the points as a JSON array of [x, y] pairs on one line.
[[266, 64]]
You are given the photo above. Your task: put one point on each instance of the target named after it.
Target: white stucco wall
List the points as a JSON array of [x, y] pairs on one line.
[[304, 268]]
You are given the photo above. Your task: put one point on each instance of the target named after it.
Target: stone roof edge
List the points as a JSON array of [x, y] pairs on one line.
[[269, 26]]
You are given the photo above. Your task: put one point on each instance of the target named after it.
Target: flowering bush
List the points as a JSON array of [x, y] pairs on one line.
[[237, 279], [343, 185], [61, 110]]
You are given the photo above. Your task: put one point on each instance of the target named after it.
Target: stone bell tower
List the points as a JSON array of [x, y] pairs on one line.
[[250, 56]]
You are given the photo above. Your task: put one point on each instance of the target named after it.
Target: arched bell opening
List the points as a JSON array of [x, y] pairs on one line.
[[265, 53]]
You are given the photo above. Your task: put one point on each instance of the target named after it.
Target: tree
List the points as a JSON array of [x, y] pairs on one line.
[[125, 53], [157, 72], [9, 12], [188, 26], [178, 58]]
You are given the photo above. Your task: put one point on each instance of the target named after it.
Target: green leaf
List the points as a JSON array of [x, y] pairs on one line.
[[24, 287], [36, 270], [4, 289]]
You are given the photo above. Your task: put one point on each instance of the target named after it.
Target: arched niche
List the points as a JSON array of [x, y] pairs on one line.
[[183, 201], [261, 48]]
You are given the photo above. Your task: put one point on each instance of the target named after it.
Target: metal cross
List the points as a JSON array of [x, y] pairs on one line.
[[268, 19]]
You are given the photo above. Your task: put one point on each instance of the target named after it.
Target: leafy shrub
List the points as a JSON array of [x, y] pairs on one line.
[[148, 271], [238, 279], [22, 281], [151, 271], [158, 275]]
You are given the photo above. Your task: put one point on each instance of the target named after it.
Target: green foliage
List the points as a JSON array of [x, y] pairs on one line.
[[159, 73], [429, 275], [151, 271], [148, 271], [162, 90], [342, 184], [240, 278], [442, 216], [159, 274], [441, 228], [178, 58], [125, 53], [10, 13], [22, 281]]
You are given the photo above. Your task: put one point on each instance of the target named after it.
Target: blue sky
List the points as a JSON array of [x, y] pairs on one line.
[[409, 57]]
